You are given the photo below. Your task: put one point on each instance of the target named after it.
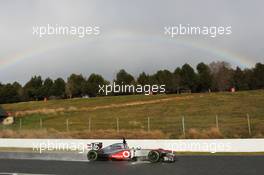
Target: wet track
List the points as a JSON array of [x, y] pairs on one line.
[[186, 165]]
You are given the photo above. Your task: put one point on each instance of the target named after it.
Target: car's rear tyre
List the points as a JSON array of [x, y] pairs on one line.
[[92, 155], [154, 156]]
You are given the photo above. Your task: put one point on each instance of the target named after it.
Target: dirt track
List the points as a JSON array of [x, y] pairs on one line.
[[72, 108]]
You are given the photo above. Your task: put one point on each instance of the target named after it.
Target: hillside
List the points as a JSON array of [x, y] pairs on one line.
[[137, 114]]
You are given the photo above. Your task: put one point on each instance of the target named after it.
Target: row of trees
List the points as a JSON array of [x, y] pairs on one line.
[[217, 76]]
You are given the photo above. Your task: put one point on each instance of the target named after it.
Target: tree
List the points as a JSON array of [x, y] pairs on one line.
[[239, 80], [258, 73], [222, 75], [165, 77], [19, 90], [188, 77], [33, 89], [205, 78], [249, 78], [177, 79], [122, 77], [93, 83], [68, 92], [75, 85], [9, 94], [216, 66], [47, 87], [58, 88], [143, 79]]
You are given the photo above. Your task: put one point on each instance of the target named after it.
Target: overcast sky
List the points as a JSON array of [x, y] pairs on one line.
[[131, 36]]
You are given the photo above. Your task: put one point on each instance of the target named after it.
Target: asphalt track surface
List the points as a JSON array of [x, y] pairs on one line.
[[185, 165]]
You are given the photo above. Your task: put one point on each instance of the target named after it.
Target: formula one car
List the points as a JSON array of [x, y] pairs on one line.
[[120, 151]]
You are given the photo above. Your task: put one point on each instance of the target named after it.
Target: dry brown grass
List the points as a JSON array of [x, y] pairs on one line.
[[211, 133], [99, 134], [259, 135], [43, 111], [193, 133], [46, 111]]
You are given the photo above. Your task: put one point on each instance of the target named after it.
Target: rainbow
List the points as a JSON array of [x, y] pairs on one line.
[[220, 53], [33, 52], [225, 54]]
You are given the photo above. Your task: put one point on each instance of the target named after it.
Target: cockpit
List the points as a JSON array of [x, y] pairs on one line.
[[115, 147]]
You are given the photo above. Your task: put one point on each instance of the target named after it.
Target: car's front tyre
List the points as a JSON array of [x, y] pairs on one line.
[[154, 156]]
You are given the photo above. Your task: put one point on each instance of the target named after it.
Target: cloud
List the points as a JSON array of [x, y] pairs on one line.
[[131, 36]]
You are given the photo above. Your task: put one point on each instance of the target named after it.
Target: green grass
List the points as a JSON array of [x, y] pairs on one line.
[[79, 102], [199, 111]]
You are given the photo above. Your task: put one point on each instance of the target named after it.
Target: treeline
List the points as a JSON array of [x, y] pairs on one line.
[[216, 76]]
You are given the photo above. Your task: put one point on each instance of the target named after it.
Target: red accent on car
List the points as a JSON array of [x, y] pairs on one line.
[[121, 155]]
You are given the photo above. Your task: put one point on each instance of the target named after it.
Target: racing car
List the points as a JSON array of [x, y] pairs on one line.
[[121, 151]]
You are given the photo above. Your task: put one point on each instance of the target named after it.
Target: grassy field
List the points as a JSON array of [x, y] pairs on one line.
[[140, 116]]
